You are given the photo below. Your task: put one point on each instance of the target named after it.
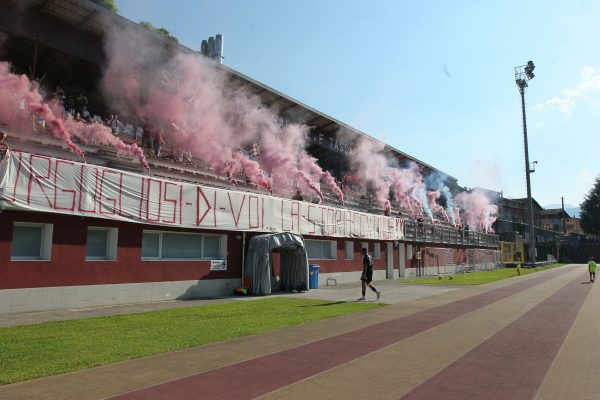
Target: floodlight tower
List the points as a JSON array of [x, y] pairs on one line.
[[523, 74]]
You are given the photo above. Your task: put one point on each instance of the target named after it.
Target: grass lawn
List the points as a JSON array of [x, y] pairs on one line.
[[32, 351], [479, 278]]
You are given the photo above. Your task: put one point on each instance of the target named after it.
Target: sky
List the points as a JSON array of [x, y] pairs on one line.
[[434, 79]]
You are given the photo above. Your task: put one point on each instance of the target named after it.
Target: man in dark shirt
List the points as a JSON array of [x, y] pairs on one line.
[[148, 136], [298, 196], [367, 275]]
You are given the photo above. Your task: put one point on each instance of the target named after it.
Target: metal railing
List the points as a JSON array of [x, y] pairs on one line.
[[425, 232]]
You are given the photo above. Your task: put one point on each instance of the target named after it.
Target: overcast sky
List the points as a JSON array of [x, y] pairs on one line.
[[434, 79]]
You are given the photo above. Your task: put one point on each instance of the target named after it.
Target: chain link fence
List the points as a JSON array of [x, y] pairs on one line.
[[441, 260]]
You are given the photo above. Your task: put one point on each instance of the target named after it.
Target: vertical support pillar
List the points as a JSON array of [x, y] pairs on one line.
[[401, 260], [389, 252]]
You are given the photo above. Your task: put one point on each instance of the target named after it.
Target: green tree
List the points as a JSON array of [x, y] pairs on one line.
[[110, 4], [161, 31], [590, 210]]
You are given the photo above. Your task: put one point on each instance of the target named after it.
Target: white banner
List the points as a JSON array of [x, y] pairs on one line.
[[45, 184]]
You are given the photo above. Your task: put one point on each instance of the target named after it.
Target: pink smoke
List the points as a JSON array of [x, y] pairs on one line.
[[418, 209], [56, 125], [478, 210], [282, 156], [16, 91], [309, 164], [404, 180], [181, 96], [252, 168], [217, 119], [330, 181], [309, 183], [436, 208], [19, 97], [205, 112], [372, 168], [100, 134]]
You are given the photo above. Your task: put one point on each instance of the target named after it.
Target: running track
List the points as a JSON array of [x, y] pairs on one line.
[[526, 338]]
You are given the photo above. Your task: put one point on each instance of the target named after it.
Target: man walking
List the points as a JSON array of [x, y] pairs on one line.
[[367, 275], [592, 269]]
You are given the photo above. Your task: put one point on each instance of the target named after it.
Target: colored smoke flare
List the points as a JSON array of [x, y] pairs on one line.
[[478, 211], [306, 179], [19, 97], [56, 125], [387, 208], [254, 173], [100, 134], [436, 208], [206, 113], [330, 181], [419, 209]]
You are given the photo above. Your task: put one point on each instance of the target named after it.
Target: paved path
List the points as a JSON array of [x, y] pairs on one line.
[[531, 337], [395, 292]]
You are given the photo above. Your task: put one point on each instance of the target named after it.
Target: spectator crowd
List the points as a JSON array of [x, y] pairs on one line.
[[150, 137]]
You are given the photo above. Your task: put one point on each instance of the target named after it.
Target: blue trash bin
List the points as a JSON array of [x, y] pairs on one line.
[[313, 276]]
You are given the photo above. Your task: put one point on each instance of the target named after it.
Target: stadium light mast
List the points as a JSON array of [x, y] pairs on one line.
[[523, 74]]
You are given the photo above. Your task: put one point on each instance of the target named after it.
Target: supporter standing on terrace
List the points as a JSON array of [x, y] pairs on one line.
[[78, 118], [70, 105], [147, 136], [86, 115], [81, 102], [298, 196], [59, 94], [367, 275], [158, 141], [185, 155], [115, 125], [3, 145]]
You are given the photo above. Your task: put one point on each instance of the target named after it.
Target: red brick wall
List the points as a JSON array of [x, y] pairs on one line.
[[68, 266], [340, 264]]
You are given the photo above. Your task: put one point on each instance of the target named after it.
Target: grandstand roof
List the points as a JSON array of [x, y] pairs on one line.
[[85, 15]]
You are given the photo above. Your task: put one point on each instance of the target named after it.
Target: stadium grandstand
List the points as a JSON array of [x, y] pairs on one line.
[[136, 169]]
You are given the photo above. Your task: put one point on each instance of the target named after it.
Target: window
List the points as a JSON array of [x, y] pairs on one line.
[[31, 241], [349, 251], [176, 245], [182, 246], [150, 245], [101, 243], [321, 249], [377, 251], [211, 247]]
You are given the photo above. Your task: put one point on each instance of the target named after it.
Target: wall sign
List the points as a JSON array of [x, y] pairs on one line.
[[218, 265]]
